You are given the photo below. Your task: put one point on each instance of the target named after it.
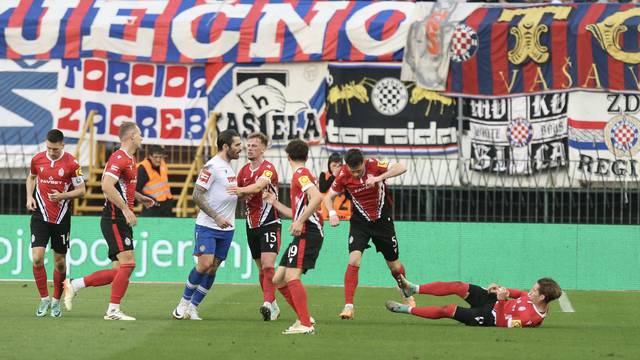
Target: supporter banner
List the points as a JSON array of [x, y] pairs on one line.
[[427, 52], [284, 101], [27, 100], [507, 51], [167, 101], [369, 107], [27, 107], [205, 31], [520, 135], [604, 136]]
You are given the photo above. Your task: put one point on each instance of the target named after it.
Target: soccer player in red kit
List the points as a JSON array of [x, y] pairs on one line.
[[263, 221], [302, 252], [55, 179], [494, 306], [118, 185], [365, 179]]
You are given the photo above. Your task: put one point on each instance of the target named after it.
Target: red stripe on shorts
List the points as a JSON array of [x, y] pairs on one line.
[[116, 232], [301, 245]]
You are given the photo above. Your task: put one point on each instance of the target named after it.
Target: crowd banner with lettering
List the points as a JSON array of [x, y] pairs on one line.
[[519, 135], [27, 106], [369, 107], [604, 136], [186, 31], [427, 53], [167, 101], [546, 48], [283, 101]]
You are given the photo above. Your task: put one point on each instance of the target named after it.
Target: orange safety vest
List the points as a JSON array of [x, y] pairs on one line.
[[158, 185], [341, 205]]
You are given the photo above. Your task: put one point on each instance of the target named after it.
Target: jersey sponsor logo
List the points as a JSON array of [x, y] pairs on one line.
[[304, 180], [267, 173], [51, 181]]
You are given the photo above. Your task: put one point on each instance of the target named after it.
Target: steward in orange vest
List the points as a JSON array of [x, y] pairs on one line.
[[341, 204], [153, 181]]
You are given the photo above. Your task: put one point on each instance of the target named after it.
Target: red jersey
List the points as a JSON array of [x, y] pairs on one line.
[[371, 202], [302, 181], [52, 175], [259, 212], [122, 167], [518, 312]]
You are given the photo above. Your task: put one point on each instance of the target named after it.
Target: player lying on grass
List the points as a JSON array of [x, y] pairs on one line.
[[494, 306]]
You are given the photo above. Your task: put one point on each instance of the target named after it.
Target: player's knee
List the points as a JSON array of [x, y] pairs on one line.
[[61, 265], [38, 261]]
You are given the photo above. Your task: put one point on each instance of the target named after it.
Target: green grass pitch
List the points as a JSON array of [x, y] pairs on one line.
[[605, 325]]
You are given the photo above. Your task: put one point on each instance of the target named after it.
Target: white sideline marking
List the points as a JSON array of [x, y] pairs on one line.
[[565, 303]]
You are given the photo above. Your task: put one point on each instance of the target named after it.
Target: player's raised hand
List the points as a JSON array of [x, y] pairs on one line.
[[222, 222], [56, 196], [130, 217], [31, 204]]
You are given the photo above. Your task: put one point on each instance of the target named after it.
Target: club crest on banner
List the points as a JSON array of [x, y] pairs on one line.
[[520, 132], [621, 135], [464, 43], [389, 96]]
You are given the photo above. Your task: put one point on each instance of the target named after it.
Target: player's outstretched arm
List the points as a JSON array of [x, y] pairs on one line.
[[283, 209], [334, 220], [254, 188], [395, 169]]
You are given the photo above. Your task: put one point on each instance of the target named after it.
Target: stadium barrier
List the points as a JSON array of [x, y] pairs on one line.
[[585, 257]]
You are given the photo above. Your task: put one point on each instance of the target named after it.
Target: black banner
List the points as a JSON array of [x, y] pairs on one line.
[[369, 107]]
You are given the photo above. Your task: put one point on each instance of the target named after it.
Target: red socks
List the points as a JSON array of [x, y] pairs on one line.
[[396, 275], [287, 296], [40, 275], [100, 278], [299, 296], [268, 289], [120, 282], [435, 312], [58, 279], [350, 283], [445, 288]]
